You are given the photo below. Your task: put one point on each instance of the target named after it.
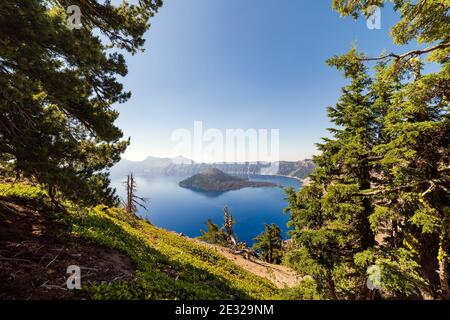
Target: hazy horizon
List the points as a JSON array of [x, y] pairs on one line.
[[187, 158]]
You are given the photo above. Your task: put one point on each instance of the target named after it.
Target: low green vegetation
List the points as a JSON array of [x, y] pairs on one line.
[[168, 266], [22, 191], [305, 290]]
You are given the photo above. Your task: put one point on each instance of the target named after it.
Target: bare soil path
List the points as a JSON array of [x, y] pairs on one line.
[[281, 276]]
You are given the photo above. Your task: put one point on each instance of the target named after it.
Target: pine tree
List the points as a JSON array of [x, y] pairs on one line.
[[269, 244], [225, 234], [381, 193], [414, 189], [330, 216], [213, 234], [57, 89]]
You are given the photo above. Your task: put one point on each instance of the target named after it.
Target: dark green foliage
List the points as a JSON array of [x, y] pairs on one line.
[[224, 235], [57, 89], [380, 195], [269, 244], [305, 290], [330, 222]]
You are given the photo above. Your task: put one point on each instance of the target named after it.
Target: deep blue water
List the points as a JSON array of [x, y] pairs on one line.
[[186, 211]]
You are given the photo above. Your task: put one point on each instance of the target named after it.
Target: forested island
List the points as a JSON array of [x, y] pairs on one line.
[[216, 180]]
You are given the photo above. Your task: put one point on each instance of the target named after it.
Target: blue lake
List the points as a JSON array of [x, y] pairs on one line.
[[186, 211]]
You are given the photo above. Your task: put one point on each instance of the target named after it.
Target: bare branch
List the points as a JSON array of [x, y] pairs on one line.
[[410, 54]]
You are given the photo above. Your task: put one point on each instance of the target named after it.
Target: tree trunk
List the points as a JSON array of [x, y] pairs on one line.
[[367, 236], [331, 287], [428, 251]]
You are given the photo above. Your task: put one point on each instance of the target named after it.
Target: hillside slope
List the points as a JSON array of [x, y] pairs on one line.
[[121, 256]]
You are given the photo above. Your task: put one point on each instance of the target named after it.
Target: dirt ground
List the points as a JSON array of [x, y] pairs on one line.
[[281, 276], [35, 252]]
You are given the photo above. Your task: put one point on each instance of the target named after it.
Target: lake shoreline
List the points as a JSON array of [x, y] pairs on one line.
[[303, 181]]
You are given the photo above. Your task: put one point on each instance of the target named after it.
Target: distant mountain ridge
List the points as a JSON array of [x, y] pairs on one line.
[[180, 166], [213, 179]]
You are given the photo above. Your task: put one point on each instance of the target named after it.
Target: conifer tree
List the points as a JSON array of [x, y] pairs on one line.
[[413, 192], [58, 86], [225, 234], [269, 244], [381, 192], [331, 219], [213, 234]]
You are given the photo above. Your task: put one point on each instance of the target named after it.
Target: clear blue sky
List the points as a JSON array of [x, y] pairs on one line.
[[241, 64]]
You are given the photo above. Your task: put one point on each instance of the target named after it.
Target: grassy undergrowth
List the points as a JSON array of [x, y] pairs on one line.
[[168, 266]]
